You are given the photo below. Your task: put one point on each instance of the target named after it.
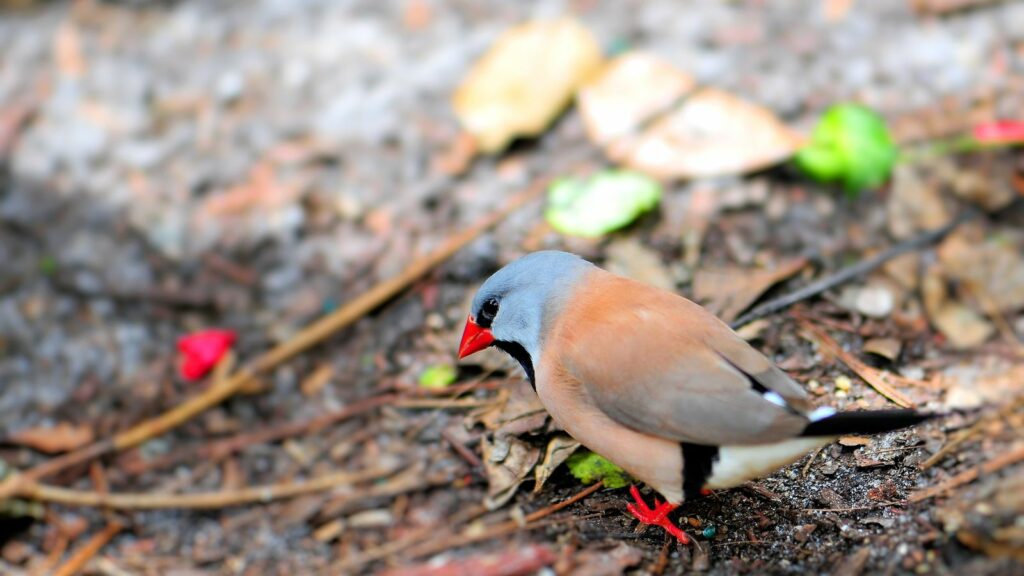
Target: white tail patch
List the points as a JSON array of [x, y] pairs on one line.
[[821, 413], [739, 464], [775, 398]]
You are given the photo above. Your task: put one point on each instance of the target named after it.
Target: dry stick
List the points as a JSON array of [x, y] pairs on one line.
[[967, 476], [967, 433], [81, 557], [853, 271], [392, 547], [219, 449], [530, 522], [866, 373], [307, 338], [198, 500]]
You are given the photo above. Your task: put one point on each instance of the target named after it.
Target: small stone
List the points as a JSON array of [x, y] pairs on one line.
[[843, 383], [802, 533]]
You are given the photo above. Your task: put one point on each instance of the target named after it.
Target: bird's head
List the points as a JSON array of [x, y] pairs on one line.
[[512, 308]]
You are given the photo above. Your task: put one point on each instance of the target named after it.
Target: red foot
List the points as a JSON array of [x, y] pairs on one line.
[[657, 516], [705, 492]]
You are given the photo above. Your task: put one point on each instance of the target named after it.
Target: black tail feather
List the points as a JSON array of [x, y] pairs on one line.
[[864, 422]]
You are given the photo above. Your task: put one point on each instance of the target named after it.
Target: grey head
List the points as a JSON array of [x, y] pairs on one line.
[[517, 302]]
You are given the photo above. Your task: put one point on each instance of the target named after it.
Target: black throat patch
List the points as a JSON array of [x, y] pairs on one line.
[[698, 461], [517, 351]]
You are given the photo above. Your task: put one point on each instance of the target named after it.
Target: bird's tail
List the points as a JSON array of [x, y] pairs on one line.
[[862, 422]]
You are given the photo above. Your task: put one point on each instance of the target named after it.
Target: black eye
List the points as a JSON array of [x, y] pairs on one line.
[[488, 311]]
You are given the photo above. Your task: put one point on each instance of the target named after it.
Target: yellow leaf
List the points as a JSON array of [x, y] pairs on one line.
[[525, 80]]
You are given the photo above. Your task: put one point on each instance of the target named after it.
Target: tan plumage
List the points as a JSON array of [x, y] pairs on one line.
[[651, 380], [686, 388]]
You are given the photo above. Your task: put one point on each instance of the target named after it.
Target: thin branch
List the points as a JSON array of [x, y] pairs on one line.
[[968, 476], [966, 434], [198, 500], [307, 338], [81, 557], [854, 271], [531, 522], [870, 375]]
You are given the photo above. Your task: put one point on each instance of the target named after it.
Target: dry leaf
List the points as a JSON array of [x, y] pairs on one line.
[[559, 448], [712, 133], [507, 462], [914, 204], [634, 88], [850, 441], [995, 268], [63, 437], [628, 257], [963, 327], [978, 383], [525, 80], [727, 292], [517, 411], [888, 348]]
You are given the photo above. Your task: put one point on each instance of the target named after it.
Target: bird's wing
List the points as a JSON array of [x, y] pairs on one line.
[[660, 364]]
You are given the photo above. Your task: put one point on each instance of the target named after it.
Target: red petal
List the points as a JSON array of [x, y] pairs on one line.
[[201, 351], [1004, 131]]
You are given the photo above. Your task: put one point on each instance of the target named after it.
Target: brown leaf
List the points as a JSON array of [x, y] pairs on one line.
[[525, 80], [507, 461], [63, 437], [963, 327], [888, 348], [712, 133], [850, 441], [727, 292], [993, 267], [980, 382], [915, 204], [628, 257], [634, 88], [559, 449], [518, 412]]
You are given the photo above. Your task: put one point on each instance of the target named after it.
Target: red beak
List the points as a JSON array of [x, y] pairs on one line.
[[474, 338]]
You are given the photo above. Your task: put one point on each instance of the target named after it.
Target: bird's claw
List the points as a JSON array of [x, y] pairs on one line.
[[657, 516]]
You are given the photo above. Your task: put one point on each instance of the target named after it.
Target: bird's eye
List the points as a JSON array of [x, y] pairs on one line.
[[489, 310]]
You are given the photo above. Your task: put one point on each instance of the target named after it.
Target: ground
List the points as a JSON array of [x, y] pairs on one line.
[[175, 166]]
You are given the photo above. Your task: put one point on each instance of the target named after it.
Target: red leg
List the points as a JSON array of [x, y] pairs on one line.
[[657, 516]]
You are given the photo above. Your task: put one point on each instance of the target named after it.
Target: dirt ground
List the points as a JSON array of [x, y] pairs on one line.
[[174, 166]]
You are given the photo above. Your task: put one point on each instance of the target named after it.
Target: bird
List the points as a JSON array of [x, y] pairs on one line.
[[652, 381]]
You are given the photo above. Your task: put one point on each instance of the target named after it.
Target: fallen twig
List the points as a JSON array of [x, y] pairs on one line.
[[307, 338], [966, 434], [968, 476], [526, 560], [870, 375], [198, 500], [448, 540], [81, 557], [853, 271], [530, 522], [220, 449]]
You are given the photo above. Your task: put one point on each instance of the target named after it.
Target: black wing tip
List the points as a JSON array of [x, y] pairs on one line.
[[866, 422]]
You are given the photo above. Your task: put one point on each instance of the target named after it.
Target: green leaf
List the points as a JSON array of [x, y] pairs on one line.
[[850, 145], [588, 468], [438, 376], [607, 201]]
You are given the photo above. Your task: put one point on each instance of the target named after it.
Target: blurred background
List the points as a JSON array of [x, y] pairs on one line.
[[181, 178]]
